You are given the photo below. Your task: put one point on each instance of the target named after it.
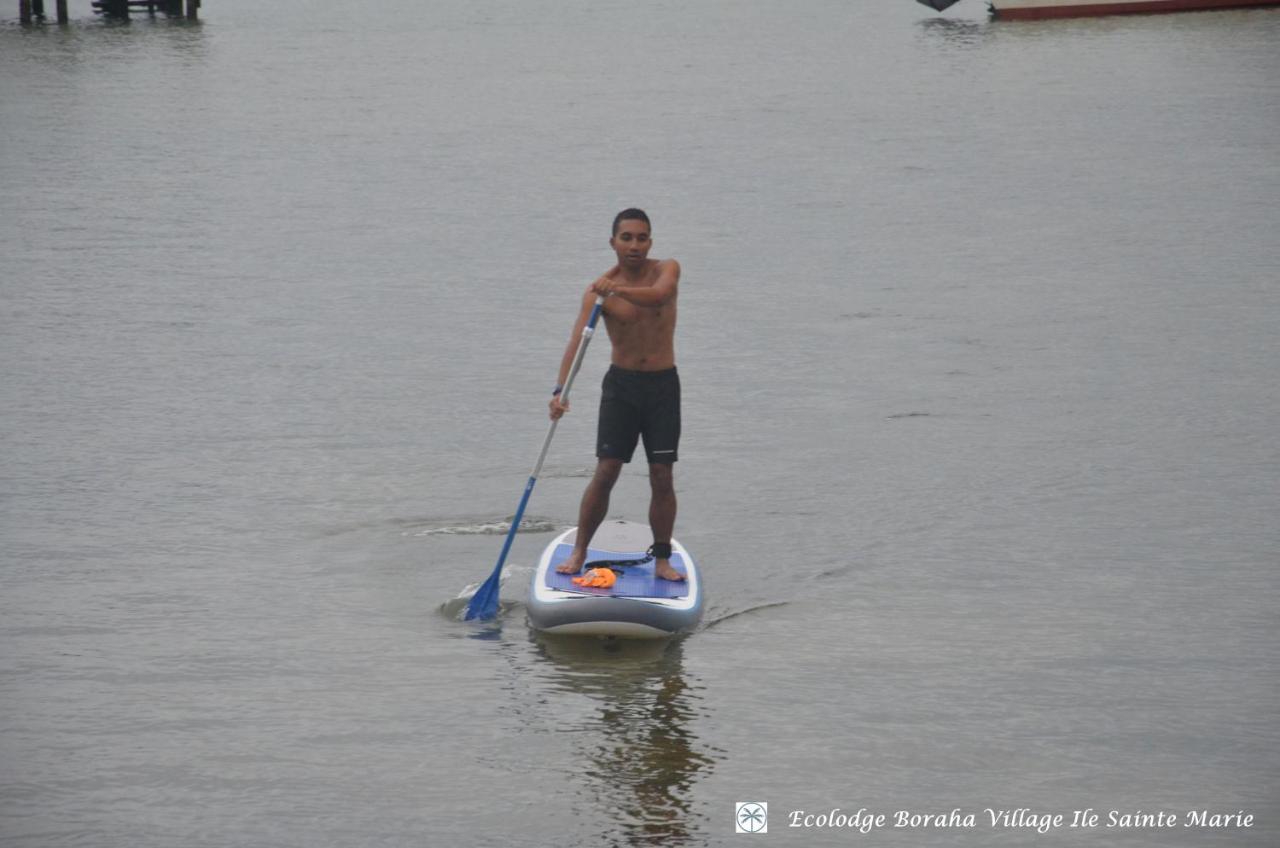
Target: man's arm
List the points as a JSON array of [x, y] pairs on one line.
[[570, 351], [662, 290]]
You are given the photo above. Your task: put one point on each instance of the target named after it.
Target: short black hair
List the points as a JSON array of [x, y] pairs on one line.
[[631, 214]]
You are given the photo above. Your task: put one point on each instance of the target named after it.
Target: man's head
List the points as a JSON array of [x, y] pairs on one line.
[[631, 239], [631, 214]]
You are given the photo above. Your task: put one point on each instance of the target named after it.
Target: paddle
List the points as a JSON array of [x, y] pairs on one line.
[[484, 603]]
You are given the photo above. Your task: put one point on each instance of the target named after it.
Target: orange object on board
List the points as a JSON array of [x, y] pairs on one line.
[[597, 578]]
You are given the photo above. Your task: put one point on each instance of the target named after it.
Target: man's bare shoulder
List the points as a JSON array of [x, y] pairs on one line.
[[666, 269]]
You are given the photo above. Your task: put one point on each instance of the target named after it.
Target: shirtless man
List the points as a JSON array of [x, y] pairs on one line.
[[641, 391]]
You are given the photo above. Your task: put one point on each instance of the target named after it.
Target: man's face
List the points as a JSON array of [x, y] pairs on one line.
[[631, 242]]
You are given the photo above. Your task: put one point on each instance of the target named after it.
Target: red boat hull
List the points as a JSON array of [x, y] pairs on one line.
[[1012, 10]]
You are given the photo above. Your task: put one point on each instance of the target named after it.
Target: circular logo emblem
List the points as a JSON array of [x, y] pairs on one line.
[[752, 817]]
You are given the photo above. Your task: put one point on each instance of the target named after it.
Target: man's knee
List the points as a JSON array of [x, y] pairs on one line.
[[607, 471], [661, 478]]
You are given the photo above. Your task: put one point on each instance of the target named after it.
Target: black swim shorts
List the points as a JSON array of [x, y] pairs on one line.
[[635, 404]]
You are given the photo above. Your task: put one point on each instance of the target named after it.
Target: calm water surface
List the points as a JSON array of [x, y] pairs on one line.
[[978, 346]]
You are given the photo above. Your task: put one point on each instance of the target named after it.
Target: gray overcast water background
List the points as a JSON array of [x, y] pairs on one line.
[[978, 343]]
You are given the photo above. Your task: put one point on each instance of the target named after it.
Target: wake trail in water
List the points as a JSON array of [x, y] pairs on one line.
[[737, 613], [486, 528]]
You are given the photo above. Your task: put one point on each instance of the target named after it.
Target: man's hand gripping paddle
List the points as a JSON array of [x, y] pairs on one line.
[[484, 603]]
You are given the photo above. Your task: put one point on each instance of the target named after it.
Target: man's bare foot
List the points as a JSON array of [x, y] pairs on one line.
[[664, 570], [573, 564]]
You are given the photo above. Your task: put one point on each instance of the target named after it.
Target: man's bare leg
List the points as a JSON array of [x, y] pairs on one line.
[[594, 508], [662, 513]]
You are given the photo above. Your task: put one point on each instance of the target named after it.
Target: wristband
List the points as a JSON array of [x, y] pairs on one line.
[[557, 390]]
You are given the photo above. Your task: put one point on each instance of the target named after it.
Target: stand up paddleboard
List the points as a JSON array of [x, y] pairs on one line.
[[639, 605]]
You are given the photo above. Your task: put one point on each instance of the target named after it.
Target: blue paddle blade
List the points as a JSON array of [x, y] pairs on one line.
[[484, 603]]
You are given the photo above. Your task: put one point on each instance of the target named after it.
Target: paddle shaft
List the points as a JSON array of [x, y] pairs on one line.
[[484, 602], [587, 332]]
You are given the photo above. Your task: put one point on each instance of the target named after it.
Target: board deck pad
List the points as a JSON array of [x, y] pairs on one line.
[[636, 581]]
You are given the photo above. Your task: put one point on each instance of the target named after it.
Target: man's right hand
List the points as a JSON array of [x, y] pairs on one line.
[[557, 407]]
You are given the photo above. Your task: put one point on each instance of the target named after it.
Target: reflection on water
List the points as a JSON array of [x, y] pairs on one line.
[[639, 765], [955, 34]]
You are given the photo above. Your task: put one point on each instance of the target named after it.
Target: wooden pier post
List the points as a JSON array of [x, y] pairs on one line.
[[32, 10]]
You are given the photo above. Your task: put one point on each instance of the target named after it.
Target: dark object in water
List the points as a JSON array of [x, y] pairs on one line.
[[939, 5]]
